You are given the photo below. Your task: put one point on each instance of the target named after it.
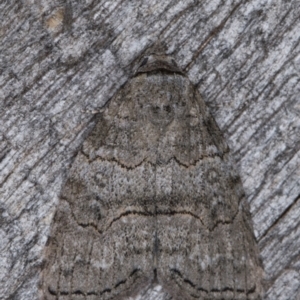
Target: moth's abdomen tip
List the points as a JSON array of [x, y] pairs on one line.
[[158, 62]]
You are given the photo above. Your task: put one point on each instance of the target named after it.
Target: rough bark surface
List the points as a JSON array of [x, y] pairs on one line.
[[61, 61]]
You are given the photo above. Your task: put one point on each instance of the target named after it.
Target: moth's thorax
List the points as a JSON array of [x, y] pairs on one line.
[[164, 107], [156, 118], [161, 110]]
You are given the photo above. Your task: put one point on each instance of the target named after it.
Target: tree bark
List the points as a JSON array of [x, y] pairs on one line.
[[62, 61]]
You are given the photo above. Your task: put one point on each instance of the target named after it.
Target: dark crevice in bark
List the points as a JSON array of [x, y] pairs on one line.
[[210, 36], [263, 239]]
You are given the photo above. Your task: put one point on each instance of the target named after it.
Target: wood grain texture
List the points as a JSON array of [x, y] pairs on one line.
[[242, 55]]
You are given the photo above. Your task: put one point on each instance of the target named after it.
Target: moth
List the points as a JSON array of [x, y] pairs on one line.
[[153, 197]]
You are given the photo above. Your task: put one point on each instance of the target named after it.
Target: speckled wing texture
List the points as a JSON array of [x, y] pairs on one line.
[[153, 198]]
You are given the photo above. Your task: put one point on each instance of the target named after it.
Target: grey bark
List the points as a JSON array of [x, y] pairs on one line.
[[60, 62]]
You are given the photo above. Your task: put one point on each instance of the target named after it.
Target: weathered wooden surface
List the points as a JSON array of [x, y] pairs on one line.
[[60, 62]]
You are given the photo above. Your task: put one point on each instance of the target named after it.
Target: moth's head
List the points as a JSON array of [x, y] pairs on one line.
[[156, 60]]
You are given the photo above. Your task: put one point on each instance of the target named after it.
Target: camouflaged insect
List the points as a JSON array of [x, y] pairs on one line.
[[153, 198]]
